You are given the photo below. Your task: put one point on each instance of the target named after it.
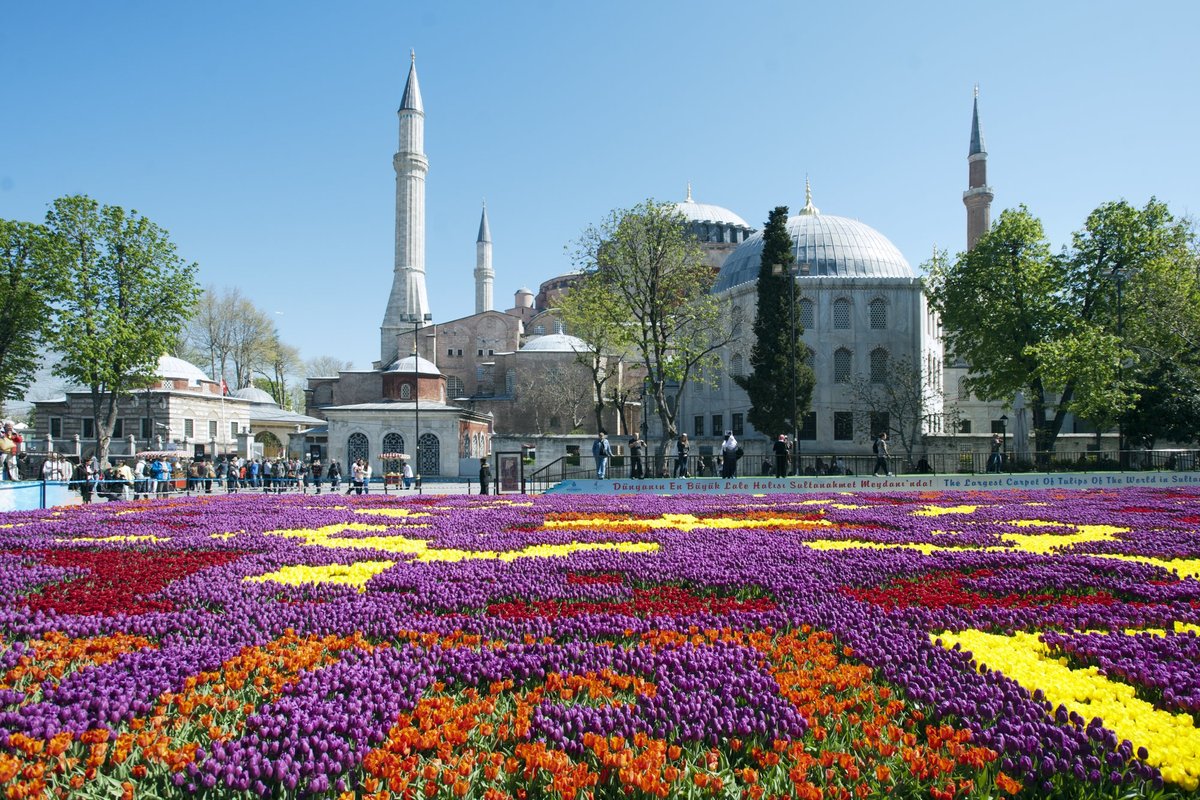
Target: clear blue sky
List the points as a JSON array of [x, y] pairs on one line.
[[261, 134]]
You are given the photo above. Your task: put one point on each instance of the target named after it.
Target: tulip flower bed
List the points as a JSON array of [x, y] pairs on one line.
[[944, 645]]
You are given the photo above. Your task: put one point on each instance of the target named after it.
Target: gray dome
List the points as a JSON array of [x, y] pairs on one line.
[[555, 343], [171, 368], [710, 214], [255, 395], [828, 246], [422, 367]]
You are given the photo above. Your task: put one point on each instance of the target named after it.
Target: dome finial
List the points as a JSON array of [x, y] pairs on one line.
[[689, 199], [809, 208], [976, 91], [412, 54]]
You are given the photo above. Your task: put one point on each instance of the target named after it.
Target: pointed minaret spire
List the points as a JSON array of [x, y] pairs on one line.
[[485, 233], [978, 196], [412, 90], [408, 299], [809, 208], [485, 276], [689, 199], [977, 145]]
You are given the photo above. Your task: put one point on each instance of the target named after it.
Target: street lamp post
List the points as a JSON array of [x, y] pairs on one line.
[[1003, 439], [1119, 275], [416, 320]]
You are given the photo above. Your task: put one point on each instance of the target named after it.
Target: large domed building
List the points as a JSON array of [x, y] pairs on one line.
[[860, 306]]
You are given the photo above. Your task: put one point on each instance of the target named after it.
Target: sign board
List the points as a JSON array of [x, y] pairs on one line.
[[867, 483], [509, 465]]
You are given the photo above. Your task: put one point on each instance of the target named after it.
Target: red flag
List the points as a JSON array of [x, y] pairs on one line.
[[224, 387]]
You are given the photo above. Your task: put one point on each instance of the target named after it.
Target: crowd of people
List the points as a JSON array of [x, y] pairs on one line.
[[159, 476], [10, 451]]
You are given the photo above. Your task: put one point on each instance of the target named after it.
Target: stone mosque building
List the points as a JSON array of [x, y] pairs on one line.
[[467, 379]]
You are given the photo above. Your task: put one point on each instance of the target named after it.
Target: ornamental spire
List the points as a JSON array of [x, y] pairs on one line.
[[412, 90], [809, 208], [485, 233], [689, 199], [977, 145]]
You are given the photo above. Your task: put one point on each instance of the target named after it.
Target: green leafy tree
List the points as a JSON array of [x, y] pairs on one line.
[[769, 384], [123, 296], [27, 283], [587, 312], [659, 280], [1168, 406], [1055, 325]]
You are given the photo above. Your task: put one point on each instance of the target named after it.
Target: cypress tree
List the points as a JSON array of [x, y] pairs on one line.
[[769, 384]]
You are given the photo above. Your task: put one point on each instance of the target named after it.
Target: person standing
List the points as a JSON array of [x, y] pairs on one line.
[[407, 474], [366, 482], [485, 476], [335, 476], [683, 451], [355, 477], [996, 459], [601, 451], [317, 472], [81, 482], [730, 453], [781, 449], [636, 448], [881, 454]]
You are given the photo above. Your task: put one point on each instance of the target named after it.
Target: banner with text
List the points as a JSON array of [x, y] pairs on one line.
[[905, 483]]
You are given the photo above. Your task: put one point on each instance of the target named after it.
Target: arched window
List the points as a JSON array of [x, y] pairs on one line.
[[879, 365], [841, 313], [807, 319], [393, 443], [356, 448], [737, 366], [841, 365], [405, 391], [455, 387], [430, 462], [739, 317], [878, 313]]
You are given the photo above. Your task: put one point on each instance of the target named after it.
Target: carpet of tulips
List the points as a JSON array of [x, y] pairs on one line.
[[942, 645]]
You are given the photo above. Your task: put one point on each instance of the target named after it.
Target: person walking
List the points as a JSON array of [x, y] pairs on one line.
[[683, 450], [485, 476], [996, 458], [601, 451], [335, 476], [636, 448], [880, 447], [317, 473], [781, 450], [730, 453]]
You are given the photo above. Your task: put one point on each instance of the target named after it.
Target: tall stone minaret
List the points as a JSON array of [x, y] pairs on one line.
[[484, 274], [408, 300], [978, 196]]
